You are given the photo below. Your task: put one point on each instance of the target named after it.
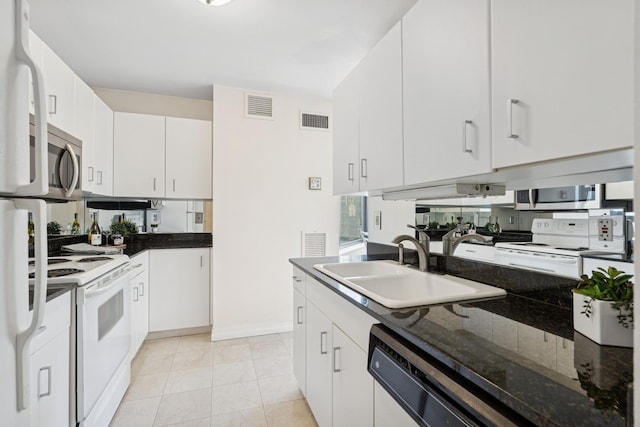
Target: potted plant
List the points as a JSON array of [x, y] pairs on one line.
[[603, 307]]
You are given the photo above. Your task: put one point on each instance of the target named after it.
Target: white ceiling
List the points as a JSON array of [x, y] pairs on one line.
[[183, 47]]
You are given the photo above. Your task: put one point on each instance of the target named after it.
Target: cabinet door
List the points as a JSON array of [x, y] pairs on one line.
[[84, 123], [140, 304], [319, 360], [352, 383], [299, 339], [388, 412], [103, 155], [188, 156], [562, 78], [138, 155], [445, 60], [381, 114], [179, 294], [346, 136], [60, 87]]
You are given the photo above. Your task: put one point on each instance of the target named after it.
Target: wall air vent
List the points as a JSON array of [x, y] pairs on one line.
[[314, 121], [259, 106], [314, 244]]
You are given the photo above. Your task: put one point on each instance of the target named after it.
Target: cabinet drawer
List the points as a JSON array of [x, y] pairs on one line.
[[57, 319], [299, 279], [353, 321]]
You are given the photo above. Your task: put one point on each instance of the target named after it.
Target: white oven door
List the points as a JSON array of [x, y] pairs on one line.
[[104, 335], [559, 265]]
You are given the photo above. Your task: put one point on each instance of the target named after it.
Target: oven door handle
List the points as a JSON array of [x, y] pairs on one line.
[[74, 178], [94, 291]]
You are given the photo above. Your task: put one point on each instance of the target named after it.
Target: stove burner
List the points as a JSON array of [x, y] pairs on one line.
[[51, 261], [58, 272], [95, 258]]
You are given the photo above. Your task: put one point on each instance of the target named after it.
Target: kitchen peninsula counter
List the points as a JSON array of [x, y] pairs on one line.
[[520, 350]]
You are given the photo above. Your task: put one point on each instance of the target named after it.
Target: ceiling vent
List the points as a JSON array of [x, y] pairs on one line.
[[314, 121], [259, 106]]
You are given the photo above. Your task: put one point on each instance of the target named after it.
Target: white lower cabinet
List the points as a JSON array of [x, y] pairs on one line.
[[140, 301], [299, 339], [337, 385], [180, 292], [387, 412], [49, 366]]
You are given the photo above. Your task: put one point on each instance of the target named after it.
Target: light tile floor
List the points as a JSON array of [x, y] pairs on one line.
[[191, 381]]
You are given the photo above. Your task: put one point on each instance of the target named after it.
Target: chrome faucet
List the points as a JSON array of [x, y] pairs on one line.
[[450, 241], [422, 246]]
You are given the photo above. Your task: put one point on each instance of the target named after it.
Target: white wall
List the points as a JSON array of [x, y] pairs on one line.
[[396, 214], [261, 206], [161, 105]]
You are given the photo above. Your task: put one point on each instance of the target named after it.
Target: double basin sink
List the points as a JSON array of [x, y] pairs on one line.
[[399, 286]]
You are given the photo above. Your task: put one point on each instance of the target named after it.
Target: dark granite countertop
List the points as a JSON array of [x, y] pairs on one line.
[[520, 350], [139, 242]]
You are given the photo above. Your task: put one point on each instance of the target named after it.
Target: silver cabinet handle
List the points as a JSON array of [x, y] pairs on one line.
[[174, 185], [76, 171], [350, 171], [90, 170], [510, 103], [53, 104], [141, 289], [201, 262], [136, 295], [336, 359], [323, 342], [99, 177], [154, 183], [465, 147], [47, 370], [363, 168], [297, 279], [299, 320]]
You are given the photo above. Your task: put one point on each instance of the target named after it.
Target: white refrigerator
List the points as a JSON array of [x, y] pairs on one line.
[[17, 323]]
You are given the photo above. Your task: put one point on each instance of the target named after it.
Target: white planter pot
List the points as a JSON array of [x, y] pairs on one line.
[[602, 324]]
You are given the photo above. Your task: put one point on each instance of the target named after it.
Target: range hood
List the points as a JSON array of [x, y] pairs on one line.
[[446, 192]]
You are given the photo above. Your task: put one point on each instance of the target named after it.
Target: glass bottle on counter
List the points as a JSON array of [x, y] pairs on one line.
[[95, 234], [75, 227], [31, 229], [496, 227]]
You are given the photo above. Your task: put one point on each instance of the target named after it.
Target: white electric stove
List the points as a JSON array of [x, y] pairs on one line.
[[556, 248], [102, 330]]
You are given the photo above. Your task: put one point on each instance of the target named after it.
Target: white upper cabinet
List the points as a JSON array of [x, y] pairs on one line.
[[188, 158], [562, 78], [103, 153], [138, 153], [346, 136], [84, 122], [447, 134], [59, 82], [381, 113]]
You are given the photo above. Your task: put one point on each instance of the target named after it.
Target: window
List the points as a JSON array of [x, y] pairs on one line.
[[353, 220]]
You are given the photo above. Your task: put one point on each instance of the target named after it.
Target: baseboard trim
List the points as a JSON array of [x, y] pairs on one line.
[[219, 334], [177, 332]]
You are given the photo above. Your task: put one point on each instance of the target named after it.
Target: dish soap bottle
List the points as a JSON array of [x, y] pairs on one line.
[[75, 227], [95, 234]]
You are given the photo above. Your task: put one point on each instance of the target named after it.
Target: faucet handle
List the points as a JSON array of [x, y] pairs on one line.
[[421, 233]]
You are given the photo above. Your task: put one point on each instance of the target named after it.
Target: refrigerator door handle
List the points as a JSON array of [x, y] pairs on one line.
[[39, 186], [23, 340]]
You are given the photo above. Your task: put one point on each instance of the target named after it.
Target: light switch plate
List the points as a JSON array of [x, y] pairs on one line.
[[315, 183]]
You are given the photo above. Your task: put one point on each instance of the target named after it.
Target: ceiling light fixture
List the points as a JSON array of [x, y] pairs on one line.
[[215, 2]]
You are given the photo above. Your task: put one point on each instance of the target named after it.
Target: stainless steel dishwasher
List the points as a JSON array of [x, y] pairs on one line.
[[430, 394]]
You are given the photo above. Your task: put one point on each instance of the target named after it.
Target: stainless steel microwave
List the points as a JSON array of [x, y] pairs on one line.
[[561, 198], [65, 163]]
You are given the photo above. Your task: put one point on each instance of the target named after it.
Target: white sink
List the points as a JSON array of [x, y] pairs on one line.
[[396, 286]]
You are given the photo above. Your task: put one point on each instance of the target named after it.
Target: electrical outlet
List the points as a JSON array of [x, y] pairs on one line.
[[605, 230], [199, 218]]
